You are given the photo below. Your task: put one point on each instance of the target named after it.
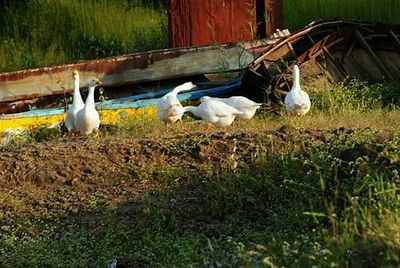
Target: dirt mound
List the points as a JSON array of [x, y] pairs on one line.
[[75, 174]]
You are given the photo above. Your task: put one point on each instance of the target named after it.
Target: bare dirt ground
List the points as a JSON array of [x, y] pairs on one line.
[[75, 174]]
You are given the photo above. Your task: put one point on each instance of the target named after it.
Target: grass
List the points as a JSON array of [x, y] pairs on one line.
[[306, 203], [41, 33], [345, 214], [299, 13], [38, 33]]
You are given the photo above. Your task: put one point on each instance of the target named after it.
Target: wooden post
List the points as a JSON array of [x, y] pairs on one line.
[[274, 14], [178, 25]]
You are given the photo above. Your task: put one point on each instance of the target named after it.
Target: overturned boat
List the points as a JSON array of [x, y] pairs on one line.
[[331, 50]]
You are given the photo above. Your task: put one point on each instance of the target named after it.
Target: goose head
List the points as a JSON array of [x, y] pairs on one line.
[[75, 77], [75, 74], [95, 82], [205, 98]]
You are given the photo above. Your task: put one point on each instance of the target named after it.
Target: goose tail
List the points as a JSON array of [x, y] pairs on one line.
[[300, 106]]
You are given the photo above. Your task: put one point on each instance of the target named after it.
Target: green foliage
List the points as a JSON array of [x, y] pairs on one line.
[[39, 33], [299, 13], [355, 95]]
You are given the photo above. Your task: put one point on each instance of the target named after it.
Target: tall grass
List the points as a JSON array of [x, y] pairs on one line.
[[298, 13], [45, 32], [39, 33]]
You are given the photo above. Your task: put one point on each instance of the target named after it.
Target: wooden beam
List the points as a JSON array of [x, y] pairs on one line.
[[292, 50], [384, 71], [349, 51], [337, 65], [395, 38]]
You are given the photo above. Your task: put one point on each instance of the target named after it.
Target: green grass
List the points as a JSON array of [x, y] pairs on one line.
[[299, 13], [42, 33], [331, 203], [39, 33]]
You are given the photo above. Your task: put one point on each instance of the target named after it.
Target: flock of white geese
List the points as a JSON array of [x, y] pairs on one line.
[[83, 118]]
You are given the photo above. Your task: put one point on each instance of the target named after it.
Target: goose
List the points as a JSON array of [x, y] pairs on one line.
[[87, 119], [243, 104], [297, 101], [77, 104], [170, 100], [214, 112]]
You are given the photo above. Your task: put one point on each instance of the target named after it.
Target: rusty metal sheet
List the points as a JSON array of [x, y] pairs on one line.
[[336, 50], [200, 22]]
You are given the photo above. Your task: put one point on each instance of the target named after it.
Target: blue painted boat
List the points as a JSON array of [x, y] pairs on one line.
[[111, 111]]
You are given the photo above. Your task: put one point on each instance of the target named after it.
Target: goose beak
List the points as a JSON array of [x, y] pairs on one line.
[[75, 72], [98, 82]]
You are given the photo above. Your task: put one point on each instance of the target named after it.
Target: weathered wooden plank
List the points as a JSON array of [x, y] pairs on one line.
[[361, 39], [123, 70], [395, 39], [337, 65]]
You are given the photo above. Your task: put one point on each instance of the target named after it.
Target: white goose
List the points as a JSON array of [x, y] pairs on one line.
[[297, 101], [87, 119], [212, 111], [170, 100], [77, 103], [243, 104]]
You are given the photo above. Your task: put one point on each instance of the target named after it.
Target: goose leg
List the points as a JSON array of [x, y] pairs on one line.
[[166, 126], [182, 125], [291, 121], [208, 127], [225, 132], [302, 121]]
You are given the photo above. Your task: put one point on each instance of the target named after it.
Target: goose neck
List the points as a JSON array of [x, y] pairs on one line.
[[192, 109], [90, 98], [296, 78], [77, 94]]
